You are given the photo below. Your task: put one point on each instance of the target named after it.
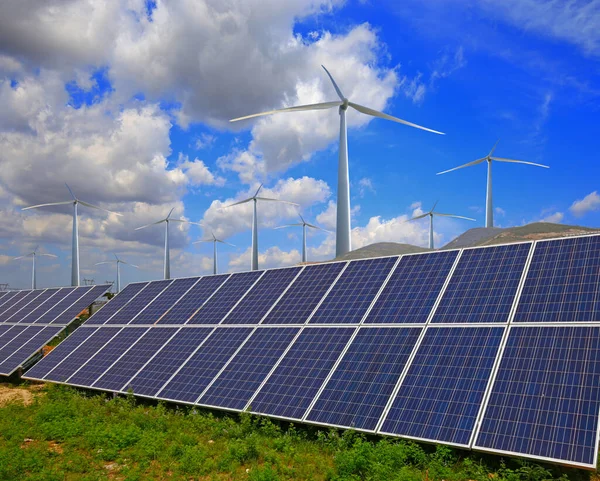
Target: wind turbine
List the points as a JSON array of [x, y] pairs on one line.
[[75, 243], [166, 220], [118, 262], [214, 240], [431, 214], [489, 209], [342, 243], [304, 225], [255, 198], [33, 255]]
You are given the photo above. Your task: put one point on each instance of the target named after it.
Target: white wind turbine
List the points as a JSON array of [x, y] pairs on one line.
[[214, 240], [255, 199], [342, 244], [431, 214], [118, 262], [166, 220], [33, 255], [304, 225], [75, 243], [489, 208]]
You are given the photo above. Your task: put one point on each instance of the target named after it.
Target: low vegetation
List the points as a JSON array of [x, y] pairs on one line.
[[64, 434]]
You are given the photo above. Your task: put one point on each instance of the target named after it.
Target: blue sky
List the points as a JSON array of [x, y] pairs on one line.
[[131, 109]]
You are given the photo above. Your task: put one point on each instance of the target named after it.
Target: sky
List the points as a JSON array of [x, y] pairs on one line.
[[129, 102]]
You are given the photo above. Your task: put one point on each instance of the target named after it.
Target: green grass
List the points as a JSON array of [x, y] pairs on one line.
[[71, 435]]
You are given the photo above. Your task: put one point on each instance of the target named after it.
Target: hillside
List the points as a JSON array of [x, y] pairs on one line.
[[381, 249]]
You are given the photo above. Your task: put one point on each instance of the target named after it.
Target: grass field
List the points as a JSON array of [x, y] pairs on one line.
[[57, 433]]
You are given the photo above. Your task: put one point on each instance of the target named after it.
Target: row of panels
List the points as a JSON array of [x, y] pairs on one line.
[[19, 343], [428, 383]]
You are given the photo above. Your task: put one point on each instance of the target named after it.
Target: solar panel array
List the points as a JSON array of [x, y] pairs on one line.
[[494, 348], [30, 319]]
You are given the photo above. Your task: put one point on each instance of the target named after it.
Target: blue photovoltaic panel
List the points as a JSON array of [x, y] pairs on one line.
[[127, 366], [66, 302], [20, 304], [546, 396], [91, 371], [193, 300], [354, 291], [7, 300], [164, 301], [483, 285], [203, 366], [51, 360], [160, 369], [298, 377], [35, 314], [16, 297], [225, 298], [72, 361], [441, 395], [4, 328], [18, 340], [33, 344], [412, 289], [361, 385], [2, 294], [262, 296], [116, 303], [304, 294], [139, 302], [563, 282], [88, 298], [239, 381], [10, 333], [43, 299]]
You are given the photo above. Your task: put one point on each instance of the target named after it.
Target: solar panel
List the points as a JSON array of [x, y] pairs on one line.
[[304, 294], [18, 340], [412, 289], [261, 297], [66, 302], [16, 297], [354, 291], [483, 285], [88, 297], [233, 388], [19, 354], [545, 399], [138, 303], [44, 297], [17, 306], [361, 385], [116, 303], [215, 308], [440, 397], [4, 328], [10, 333], [563, 282], [38, 312], [292, 386]]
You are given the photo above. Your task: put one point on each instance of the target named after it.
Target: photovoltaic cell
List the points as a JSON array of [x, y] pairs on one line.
[[139, 302], [116, 303], [160, 369], [563, 282], [47, 306], [261, 297], [213, 311], [164, 301], [10, 333], [360, 387], [66, 302], [189, 382], [440, 397], [4, 328], [304, 294], [546, 396], [483, 285], [33, 344], [239, 381], [298, 377], [71, 312], [17, 306], [15, 298], [42, 299], [193, 300], [9, 348], [7, 300], [412, 289], [354, 291]]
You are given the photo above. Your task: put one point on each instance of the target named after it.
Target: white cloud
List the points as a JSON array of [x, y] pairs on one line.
[[447, 64], [198, 173], [555, 218], [268, 259], [365, 185], [204, 141], [589, 203], [500, 211]]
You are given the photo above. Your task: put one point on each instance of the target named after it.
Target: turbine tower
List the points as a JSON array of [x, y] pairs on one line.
[[489, 208], [255, 199], [118, 262], [166, 220], [75, 243], [33, 255], [214, 240], [431, 214], [342, 243], [304, 225]]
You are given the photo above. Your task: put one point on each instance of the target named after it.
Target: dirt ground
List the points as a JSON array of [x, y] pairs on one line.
[[11, 393]]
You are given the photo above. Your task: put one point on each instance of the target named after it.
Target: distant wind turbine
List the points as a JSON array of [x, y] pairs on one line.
[[166, 220], [75, 249], [304, 225], [33, 255], [489, 208], [431, 214], [342, 243], [255, 198], [118, 262], [214, 240]]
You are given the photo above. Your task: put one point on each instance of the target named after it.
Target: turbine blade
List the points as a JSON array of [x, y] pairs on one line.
[[21, 257], [71, 192], [183, 221], [335, 86], [149, 225], [493, 148], [417, 217], [257, 190], [132, 265], [238, 203], [47, 255], [433, 208], [502, 159], [170, 212], [302, 218], [226, 243], [277, 200], [103, 262], [46, 205], [92, 206], [298, 108], [203, 240], [317, 227], [376, 113], [287, 225], [475, 162], [455, 216]]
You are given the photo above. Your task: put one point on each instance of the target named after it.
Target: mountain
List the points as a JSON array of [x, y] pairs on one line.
[[381, 249]]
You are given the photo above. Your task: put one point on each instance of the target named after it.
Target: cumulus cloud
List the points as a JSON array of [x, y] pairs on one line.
[[268, 259], [555, 218], [589, 203]]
